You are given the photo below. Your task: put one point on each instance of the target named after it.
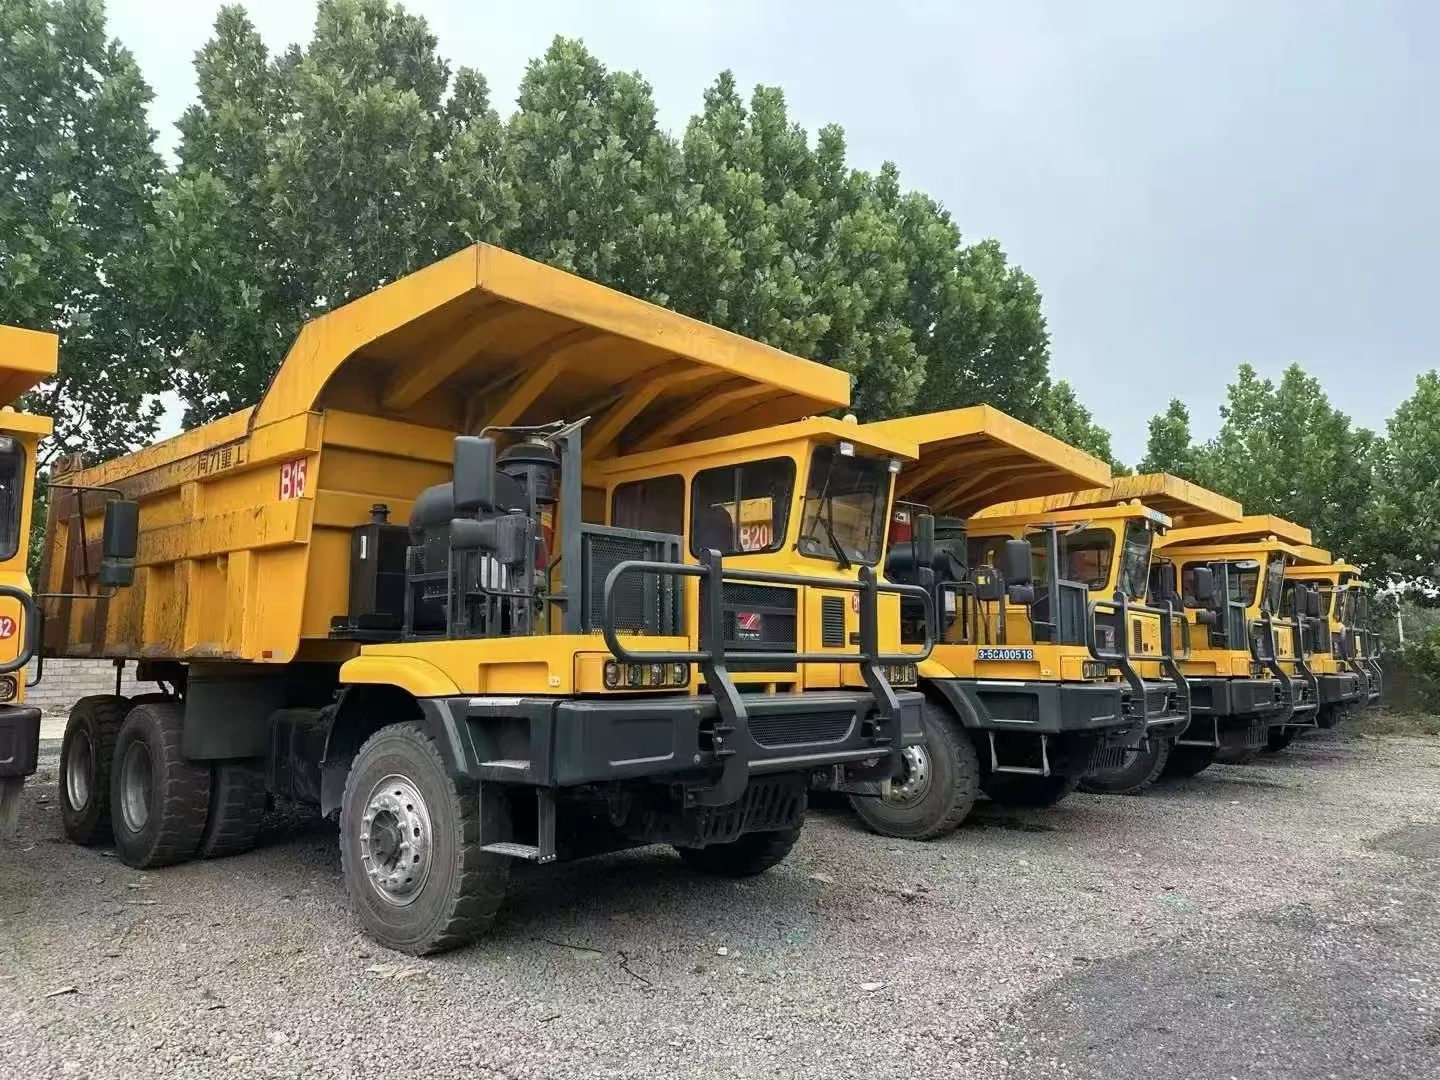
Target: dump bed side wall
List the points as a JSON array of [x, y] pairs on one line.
[[244, 537]]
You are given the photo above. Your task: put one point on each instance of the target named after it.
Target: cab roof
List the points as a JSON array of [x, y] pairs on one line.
[[1224, 549], [982, 523], [971, 458], [487, 337], [1184, 503], [27, 358], [1250, 529]]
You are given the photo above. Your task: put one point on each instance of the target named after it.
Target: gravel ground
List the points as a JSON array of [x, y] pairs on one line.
[[1275, 920]]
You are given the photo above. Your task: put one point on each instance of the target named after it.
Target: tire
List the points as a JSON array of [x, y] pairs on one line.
[[237, 809], [1278, 738], [1187, 761], [1016, 791], [87, 752], [753, 853], [1139, 771], [461, 886], [950, 772], [158, 800]]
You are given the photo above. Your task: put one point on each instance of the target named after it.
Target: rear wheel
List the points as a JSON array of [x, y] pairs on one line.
[[1186, 761], [1141, 769], [410, 846], [1017, 791], [1278, 738], [751, 854], [237, 809], [158, 800], [935, 792], [87, 752]]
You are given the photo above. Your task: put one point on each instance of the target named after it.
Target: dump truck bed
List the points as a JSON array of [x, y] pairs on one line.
[[1184, 503], [971, 458], [245, 522]]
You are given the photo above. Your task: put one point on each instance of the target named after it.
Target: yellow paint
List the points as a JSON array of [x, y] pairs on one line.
[[1186, 504]]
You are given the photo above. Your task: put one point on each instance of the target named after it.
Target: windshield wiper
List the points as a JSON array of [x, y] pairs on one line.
[[841, 559]]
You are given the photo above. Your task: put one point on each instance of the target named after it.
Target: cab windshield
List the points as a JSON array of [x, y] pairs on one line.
[[846, 500], [1135, 561], [1086, 556], [1275, 583], [1244, 580]]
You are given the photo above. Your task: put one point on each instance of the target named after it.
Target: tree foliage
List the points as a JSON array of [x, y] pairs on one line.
[[77, 177], [1406, 514]]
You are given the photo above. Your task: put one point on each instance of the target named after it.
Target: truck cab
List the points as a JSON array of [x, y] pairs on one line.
[[1344, 680], [27, 358], [1022, 690], [1249, 667]]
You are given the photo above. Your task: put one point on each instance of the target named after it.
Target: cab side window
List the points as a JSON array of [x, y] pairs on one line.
[[654, 505]]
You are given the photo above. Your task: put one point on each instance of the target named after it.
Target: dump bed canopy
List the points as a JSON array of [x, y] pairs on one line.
[[1310, 555], [972, 458], [1252, 528], [486, 337], [1184, 503], [27, 358]]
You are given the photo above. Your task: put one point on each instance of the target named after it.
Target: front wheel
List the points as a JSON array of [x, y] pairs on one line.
[[1278, 738], [410, 846], [750, 854], [938, 784], [1141, 769], [1187, 761]]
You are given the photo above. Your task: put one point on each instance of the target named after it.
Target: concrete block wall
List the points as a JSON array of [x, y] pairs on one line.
[[66, 681]]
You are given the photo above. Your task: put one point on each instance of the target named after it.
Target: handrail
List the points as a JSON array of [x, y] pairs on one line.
[[1122, 658], [31, 615], [1272, 663]]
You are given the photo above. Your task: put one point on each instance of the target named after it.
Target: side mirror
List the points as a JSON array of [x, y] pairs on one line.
[[1015, 562], [1299, 603], [1166, 590], [925, 539], [1314, 604], [474, 475], [1204, 586], [119, 541]]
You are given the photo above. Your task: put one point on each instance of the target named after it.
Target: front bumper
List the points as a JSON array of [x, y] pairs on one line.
[[1165, 711], [1044, 708], [19, 740], [1343, 688], [567, 742], [1220, 697]]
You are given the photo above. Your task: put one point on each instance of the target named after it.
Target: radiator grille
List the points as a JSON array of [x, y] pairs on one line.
[[644, 603], [802, 729], [832, 622]]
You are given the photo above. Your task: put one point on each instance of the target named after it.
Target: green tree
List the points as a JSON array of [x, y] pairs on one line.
[[77, 174], [308, 179], [1407, 486], [1169, 447], [1062, 415], [1281, 449]]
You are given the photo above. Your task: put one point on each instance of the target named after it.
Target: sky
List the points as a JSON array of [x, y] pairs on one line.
[[1192, 185]]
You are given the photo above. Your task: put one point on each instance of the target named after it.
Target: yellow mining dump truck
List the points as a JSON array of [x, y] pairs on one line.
[[1105, 540], [1249, 667], [1360, 643], [1020, 695], [350, 601], [1348, 681], [27, 358]]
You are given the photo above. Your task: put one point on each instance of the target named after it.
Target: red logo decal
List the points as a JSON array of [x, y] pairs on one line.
[[748, 620], [7, 626]]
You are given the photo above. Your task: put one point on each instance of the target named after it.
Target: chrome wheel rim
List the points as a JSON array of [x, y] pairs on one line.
[[79, 764], [396, 840], [136, 784], [914, 784]]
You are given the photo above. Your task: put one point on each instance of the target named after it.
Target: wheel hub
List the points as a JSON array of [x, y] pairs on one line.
[[913, 783], [395, 840], [79, 765], [135, 786]]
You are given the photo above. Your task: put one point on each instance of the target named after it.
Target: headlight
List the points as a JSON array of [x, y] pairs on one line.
[[657, 674], [636, 675], [680, 674], [612, 675], [1093, 669], [8, 688]]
